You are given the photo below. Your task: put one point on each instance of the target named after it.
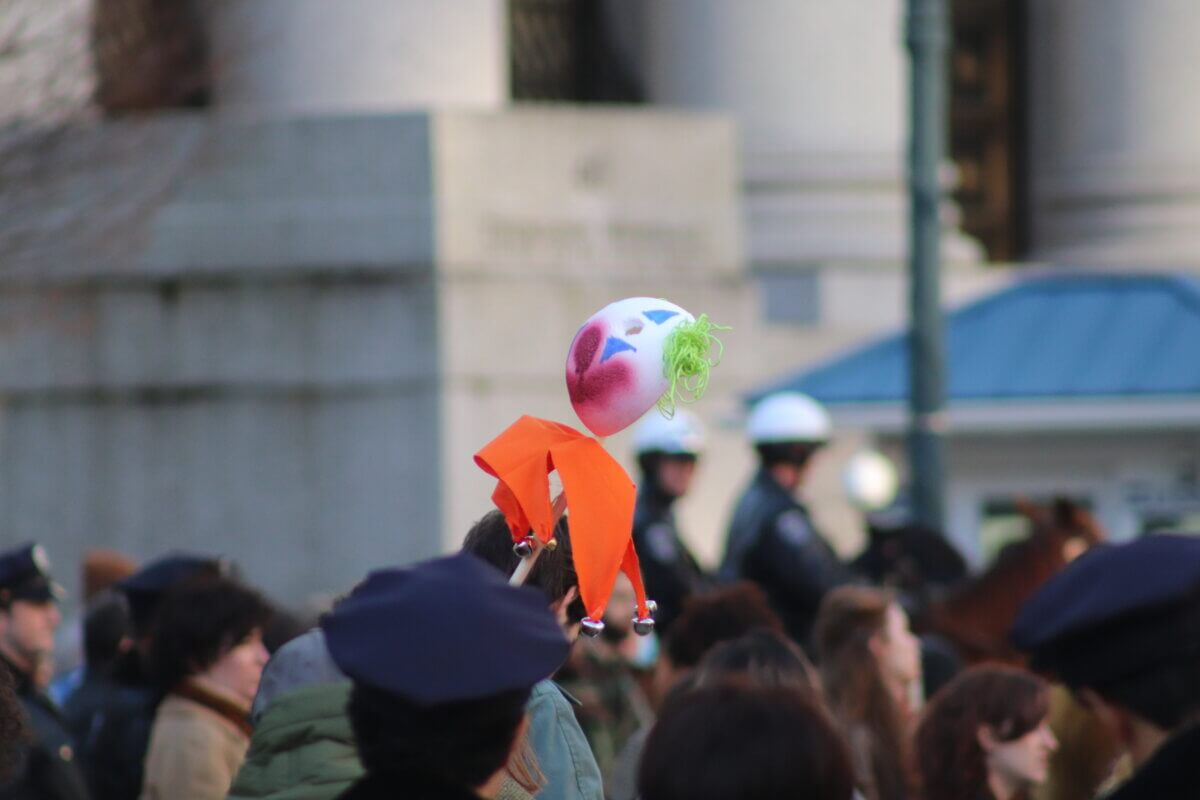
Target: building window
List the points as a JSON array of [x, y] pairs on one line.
[[987, 123], [565, 50], [790, 297], [150, 55]]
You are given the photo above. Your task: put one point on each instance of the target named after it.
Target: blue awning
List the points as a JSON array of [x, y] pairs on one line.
[[1063, 337]]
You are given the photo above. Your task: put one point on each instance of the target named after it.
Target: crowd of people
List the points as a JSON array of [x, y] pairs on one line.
[[787, 674]]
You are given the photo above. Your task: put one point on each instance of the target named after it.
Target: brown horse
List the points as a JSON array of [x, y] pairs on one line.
[[976, 615]]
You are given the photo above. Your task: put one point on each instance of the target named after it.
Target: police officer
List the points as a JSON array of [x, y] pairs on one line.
[[667, 451], [443, 657], [29, 616], [772, 540], [1120, 626]]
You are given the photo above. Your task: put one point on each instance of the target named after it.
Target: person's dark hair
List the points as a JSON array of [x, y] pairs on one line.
[[283, 626], [144, 604], [553, 572], [106, 624], [1167, 695], [13, 731], [199, 621], [849, 617], [1166, 692], [714, 617], [797, 453], [459, 744], [746, 742], [763, 658], [951, 764]]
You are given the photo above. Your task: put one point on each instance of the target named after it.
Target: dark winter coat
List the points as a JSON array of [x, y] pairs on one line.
[[1172, 773], [46, 767], [115, 749], [773, 543], [669, 570]]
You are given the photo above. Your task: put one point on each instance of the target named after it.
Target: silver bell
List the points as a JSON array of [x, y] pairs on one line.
[[591, 627], [652, 607], [643, 626], [524, 548]]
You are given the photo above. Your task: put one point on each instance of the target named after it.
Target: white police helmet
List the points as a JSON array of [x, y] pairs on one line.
[[869, 479], [788, 417], [681, 435]]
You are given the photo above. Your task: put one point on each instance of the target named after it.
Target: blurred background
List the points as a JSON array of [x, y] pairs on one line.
[[272, 270]]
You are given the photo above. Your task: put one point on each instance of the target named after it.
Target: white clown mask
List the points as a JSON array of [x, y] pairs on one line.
[[615, 367]]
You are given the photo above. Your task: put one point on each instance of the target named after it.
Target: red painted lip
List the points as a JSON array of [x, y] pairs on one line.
[[587, 381]]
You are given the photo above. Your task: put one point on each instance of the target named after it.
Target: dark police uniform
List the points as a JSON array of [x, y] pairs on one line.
[[1129, 615], [773, 543], [485, 637], [46, 766], [669, 570]]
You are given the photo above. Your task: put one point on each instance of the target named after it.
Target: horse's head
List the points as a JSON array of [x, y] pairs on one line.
[[978, 614], [1064, 526]]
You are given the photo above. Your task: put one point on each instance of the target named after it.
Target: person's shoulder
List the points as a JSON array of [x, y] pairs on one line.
[[544, 692], [45, 720], [547, 695], [1175, 764], [659, 542], [189, 723], [561, 747], [792, 525]]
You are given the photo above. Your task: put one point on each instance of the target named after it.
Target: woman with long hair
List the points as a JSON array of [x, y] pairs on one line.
[[870, 665], [985, 736]]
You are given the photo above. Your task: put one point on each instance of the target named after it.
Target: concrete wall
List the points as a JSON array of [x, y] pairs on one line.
[[225, 340], [288, 57]]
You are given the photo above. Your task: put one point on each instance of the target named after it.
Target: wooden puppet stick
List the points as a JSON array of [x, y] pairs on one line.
[[521, 573]]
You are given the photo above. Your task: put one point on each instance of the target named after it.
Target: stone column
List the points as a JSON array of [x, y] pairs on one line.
[[279, 57], [818, 90], [1114, 132]]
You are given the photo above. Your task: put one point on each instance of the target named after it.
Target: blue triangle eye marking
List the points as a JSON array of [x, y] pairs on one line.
[[614, 346], [659, 317]]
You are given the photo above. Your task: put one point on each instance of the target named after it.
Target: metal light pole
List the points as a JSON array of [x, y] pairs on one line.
[[927, 37]]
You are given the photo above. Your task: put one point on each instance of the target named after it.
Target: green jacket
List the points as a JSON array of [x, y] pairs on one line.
[[302, 749]]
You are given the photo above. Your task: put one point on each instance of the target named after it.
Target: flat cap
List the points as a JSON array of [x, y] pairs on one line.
[[446, 630], [146, 588], [156, 576], [1115, 611], [25, 575]]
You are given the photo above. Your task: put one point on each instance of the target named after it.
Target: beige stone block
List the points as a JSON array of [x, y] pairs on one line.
[[574, 192]]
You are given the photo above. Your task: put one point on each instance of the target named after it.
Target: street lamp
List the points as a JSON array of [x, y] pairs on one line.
[[927, 38]]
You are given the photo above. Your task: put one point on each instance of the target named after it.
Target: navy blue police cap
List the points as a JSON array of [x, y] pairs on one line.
[[1115, 612], [25, 575], [446, 630]]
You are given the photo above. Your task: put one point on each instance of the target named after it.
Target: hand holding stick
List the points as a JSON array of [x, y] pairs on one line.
[[521, 573]]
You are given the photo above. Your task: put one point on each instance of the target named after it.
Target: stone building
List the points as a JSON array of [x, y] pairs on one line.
[[272, 308]]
